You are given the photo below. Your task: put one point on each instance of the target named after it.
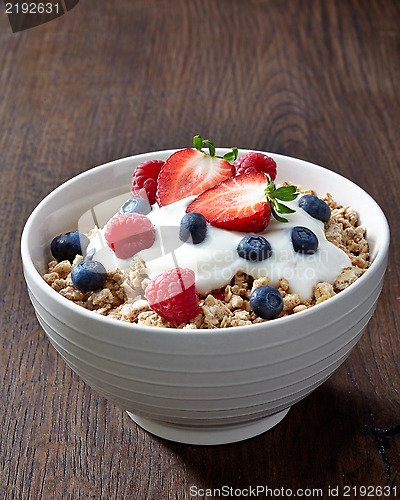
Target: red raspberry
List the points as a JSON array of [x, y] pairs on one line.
[[127, 234], [172, 294], [252, 161], [144, 179]]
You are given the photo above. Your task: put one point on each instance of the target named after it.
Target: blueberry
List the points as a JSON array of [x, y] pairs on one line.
[[135, 205], [88, 275], [304, 240], [67, 245], [316, 207], [266, 302], [194, 226], [254, 248]]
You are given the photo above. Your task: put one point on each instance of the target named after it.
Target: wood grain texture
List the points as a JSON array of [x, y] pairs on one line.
[[315, 79]]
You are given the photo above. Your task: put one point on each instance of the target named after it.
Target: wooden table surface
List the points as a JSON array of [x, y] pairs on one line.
[[314, 79]]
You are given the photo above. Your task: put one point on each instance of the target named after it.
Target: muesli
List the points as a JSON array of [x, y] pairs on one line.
[[211, 242]]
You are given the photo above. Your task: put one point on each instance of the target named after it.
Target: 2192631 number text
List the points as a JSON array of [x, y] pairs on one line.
[[33, 8]]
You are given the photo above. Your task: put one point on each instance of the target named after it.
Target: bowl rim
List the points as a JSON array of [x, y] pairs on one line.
[[73, 308]]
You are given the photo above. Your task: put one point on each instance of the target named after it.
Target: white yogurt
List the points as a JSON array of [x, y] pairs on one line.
[[215, 261]]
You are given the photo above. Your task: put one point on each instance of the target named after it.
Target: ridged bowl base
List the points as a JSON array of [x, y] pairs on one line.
[[208, 435]]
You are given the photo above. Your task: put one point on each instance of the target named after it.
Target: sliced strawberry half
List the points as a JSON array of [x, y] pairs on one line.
[[191, 171], [244, 203]]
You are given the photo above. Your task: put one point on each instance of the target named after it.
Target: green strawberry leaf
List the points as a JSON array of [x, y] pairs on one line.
[[197, 142], [283, 209], [231, 155], [276, 216], [210, 146], [286, 193]]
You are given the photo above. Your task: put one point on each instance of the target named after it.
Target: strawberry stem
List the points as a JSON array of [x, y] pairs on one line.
[[284, 193], [199, 142]]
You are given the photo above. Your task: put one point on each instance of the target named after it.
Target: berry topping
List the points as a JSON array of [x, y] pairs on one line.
[[253, 162], [127, 234], [304, 240], [89, 275], [144, 179], [135, 205], [194, 227], [172, 294], [67, 246], [243, 203], [254, 248], [316, 207], [266, 302], [191, 171]]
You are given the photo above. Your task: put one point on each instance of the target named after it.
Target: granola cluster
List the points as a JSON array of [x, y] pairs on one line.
[[123, 296]]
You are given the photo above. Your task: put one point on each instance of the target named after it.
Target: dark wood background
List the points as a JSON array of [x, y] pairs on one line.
[[315, 79]]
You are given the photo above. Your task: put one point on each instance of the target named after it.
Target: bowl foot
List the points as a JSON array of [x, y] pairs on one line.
[[208, 435]]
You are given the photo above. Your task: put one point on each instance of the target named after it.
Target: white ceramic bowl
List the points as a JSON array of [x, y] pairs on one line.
[[200, 386]]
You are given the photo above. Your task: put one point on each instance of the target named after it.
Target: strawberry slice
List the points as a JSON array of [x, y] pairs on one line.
[[244, 203], [191, 171]]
